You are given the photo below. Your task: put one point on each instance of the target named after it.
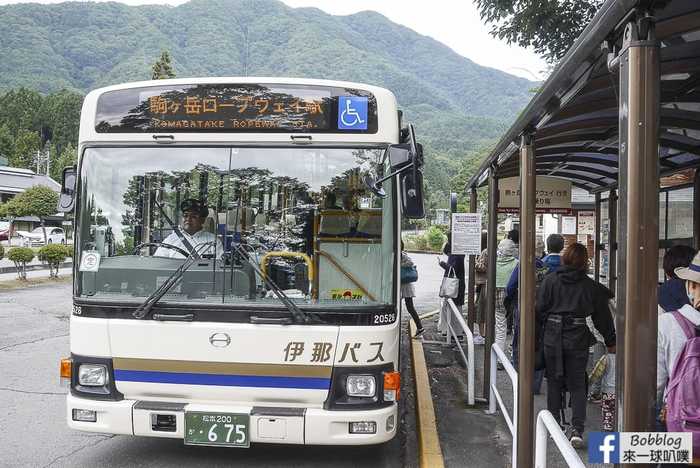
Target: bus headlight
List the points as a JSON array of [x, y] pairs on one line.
[[92, 375], [361, 386]]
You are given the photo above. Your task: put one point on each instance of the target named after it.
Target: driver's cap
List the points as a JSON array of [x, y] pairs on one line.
[[192, 204]]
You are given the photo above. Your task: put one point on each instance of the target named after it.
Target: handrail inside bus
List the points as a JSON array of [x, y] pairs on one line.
[[349, 275], [286, 254]]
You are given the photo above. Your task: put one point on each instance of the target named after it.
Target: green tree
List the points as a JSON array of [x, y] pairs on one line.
[[20, 256], [23, 155], [19, 109], [6, 142], [53, 255], [162, 69], [59, 118], [67, 157], [36, 201], [550, 27]]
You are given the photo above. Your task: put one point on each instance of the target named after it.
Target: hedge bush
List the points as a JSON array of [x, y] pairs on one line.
[[67, 250], [54, 255], [21, 256], [435, 238], [2, 252]]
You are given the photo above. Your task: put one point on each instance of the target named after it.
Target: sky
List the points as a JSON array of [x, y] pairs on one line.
[[454, 23]]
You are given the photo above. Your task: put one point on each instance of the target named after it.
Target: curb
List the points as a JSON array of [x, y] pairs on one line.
[[429, 451], [12, 269]]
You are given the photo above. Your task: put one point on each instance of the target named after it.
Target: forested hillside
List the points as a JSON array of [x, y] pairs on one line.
[[457, 106]]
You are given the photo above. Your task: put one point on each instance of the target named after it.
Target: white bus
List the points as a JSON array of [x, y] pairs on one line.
[[237, 261]]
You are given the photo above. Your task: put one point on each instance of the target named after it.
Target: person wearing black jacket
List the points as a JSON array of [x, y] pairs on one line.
[[564, 300]]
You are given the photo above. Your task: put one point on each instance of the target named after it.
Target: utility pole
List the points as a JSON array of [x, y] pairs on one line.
[[48, 159]]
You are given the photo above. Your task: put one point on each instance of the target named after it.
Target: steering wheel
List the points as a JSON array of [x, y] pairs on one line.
[[179, 250]]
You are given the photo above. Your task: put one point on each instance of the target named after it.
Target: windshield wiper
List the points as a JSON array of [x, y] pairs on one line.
[[145, 308], [298, 315]]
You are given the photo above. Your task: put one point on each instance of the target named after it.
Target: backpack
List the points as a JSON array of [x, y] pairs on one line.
[[683, 392]]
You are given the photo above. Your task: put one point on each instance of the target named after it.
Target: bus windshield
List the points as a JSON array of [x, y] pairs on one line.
[[300, 218]]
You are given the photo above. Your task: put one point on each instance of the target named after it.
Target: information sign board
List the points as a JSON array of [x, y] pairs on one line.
[[466, 233]]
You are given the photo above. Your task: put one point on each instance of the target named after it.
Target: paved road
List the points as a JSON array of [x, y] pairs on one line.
[[33, 338]]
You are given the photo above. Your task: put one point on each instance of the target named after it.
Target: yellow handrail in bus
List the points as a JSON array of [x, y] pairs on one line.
[[347, 274], [283, 254]]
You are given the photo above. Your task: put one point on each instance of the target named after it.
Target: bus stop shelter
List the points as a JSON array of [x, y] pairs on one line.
[[619, 117]]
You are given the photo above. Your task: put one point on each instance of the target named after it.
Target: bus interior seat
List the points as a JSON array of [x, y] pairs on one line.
[[334, 223], [237, 218], [370, 223]]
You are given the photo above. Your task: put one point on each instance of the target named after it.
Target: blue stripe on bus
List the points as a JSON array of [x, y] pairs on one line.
[[187, 378]]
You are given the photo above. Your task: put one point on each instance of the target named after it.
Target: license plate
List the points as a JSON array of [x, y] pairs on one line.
[[225, 429]]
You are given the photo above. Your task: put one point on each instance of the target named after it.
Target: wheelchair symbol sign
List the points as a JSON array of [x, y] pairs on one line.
[[352, 113]]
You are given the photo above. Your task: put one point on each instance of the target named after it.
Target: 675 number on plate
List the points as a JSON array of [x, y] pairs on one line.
[[217, 429]]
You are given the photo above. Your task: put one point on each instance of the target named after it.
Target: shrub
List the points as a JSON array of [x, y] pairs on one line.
[[67, 250], [2, 252], [54, 255], [421, 243], [21, 256], [444, 228], [435, 238]]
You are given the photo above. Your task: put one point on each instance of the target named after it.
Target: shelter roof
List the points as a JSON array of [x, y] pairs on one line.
[[574, 116]]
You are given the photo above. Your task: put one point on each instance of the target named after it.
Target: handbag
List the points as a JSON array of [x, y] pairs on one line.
[[409, 274], [450, 285]]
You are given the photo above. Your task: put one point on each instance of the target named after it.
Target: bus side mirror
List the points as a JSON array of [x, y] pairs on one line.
[[411, 186], [66, 200], [411, 180], [406, 162], [399, 156]]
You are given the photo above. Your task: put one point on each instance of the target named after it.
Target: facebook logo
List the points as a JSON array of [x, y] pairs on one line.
[[604, 447], [352, 113]]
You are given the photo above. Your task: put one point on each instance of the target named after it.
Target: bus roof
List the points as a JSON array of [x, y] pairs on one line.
[[121, 113]]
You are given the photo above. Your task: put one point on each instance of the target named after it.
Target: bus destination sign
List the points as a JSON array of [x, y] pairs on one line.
[[237, 108]]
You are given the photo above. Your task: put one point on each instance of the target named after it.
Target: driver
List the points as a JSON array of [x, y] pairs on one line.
[[194, 213]]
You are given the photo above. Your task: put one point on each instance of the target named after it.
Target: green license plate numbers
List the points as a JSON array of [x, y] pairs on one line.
[[224, 429]]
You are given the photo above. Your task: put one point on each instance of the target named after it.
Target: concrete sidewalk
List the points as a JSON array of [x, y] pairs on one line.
[[7, 266], [36, 274]]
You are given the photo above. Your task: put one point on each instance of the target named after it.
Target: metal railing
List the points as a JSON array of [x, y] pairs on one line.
[[497, 355], [469, 358], [546, 424]]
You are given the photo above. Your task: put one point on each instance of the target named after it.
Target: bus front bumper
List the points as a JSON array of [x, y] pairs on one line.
[[312, 426]]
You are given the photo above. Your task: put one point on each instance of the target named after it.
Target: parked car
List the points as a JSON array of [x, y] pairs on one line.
[[54, 235], [4, 230]]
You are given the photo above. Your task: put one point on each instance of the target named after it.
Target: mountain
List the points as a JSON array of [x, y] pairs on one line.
[[456, 104]]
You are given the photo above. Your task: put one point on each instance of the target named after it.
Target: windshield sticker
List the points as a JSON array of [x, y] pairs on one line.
[[342, 294], [90, 261]]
